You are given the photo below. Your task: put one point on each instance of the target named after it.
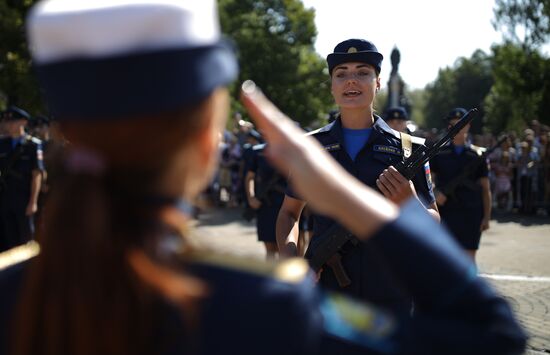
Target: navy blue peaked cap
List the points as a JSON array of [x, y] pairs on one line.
[[396, 113], [15, 113], [150, 56], [456, 113], [355, 50]]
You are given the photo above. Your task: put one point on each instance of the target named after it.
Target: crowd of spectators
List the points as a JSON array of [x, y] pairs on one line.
[[519, 166]]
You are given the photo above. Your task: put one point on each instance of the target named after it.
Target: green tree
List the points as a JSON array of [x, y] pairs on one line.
[[523, 22], [17, 83], [522, 74], [275, 48], [466, 84], [521, 83], [418, 104]]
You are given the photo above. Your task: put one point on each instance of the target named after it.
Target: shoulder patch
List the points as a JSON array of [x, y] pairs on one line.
[[19, 254], [358, 322], [428, 174]]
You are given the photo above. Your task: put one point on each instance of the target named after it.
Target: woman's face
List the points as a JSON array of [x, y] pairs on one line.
[[354, 85]]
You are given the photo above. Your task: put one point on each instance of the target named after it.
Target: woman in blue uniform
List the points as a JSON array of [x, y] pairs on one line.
[[114, 274], [21, 171], [466, 207], [265, 191], [368, 149]]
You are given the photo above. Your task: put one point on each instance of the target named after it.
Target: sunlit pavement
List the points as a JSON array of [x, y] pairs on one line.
[[514, 256]]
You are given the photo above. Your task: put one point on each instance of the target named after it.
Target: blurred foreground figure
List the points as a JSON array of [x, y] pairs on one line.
[[139, 90]]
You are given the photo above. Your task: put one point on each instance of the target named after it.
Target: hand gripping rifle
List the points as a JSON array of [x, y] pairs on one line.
[[334, 240]]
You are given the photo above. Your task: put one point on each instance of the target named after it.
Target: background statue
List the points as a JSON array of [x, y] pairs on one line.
[[395, 58]]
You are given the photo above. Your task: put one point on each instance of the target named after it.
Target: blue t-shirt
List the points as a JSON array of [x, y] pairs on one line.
[[355, 140]]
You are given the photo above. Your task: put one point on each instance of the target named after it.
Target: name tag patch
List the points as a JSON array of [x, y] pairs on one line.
[[388, 149], [331, 147]]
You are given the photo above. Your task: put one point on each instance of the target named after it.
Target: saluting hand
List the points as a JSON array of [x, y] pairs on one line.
[[394, 186], [318, 178], [312, 168]]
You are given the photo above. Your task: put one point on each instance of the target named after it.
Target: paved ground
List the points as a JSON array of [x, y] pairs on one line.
[[514, 256]]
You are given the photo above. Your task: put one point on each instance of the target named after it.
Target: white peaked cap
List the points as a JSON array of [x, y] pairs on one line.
[[114, 58]]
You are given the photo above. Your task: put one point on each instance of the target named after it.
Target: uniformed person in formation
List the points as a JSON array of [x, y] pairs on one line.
[[463, 193], [265, 191], [114, 274], [21, 168], [396, 118], [368, 149]]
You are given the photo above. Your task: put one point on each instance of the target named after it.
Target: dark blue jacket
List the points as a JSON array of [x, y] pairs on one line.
[[277, 309], [372, 279]]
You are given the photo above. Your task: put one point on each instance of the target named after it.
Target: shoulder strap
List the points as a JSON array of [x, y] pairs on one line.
[[406, 144]]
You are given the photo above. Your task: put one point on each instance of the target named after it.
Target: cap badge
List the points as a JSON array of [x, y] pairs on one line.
[[352, 50], [396, 114]]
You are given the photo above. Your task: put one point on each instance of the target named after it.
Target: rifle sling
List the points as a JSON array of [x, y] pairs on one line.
[[406, 144]]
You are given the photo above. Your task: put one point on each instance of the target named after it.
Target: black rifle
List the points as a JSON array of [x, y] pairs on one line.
[[333, 241], [449, 189]]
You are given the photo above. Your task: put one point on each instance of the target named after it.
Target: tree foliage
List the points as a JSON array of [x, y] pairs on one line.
[[523, 22], [466, 84], [521, 84], [17, 83], [275, 41]]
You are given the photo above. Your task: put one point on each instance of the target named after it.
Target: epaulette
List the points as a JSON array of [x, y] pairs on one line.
[[18, 254], [33, 139], [293, 270], [324, 129], [414, 139], [257, 147], [418, 140], [479, 150]]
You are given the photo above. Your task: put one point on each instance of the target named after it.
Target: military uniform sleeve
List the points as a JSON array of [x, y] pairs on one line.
[[37, 156], [423, 185], [483, 169], [251, 162], [456, 312]]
